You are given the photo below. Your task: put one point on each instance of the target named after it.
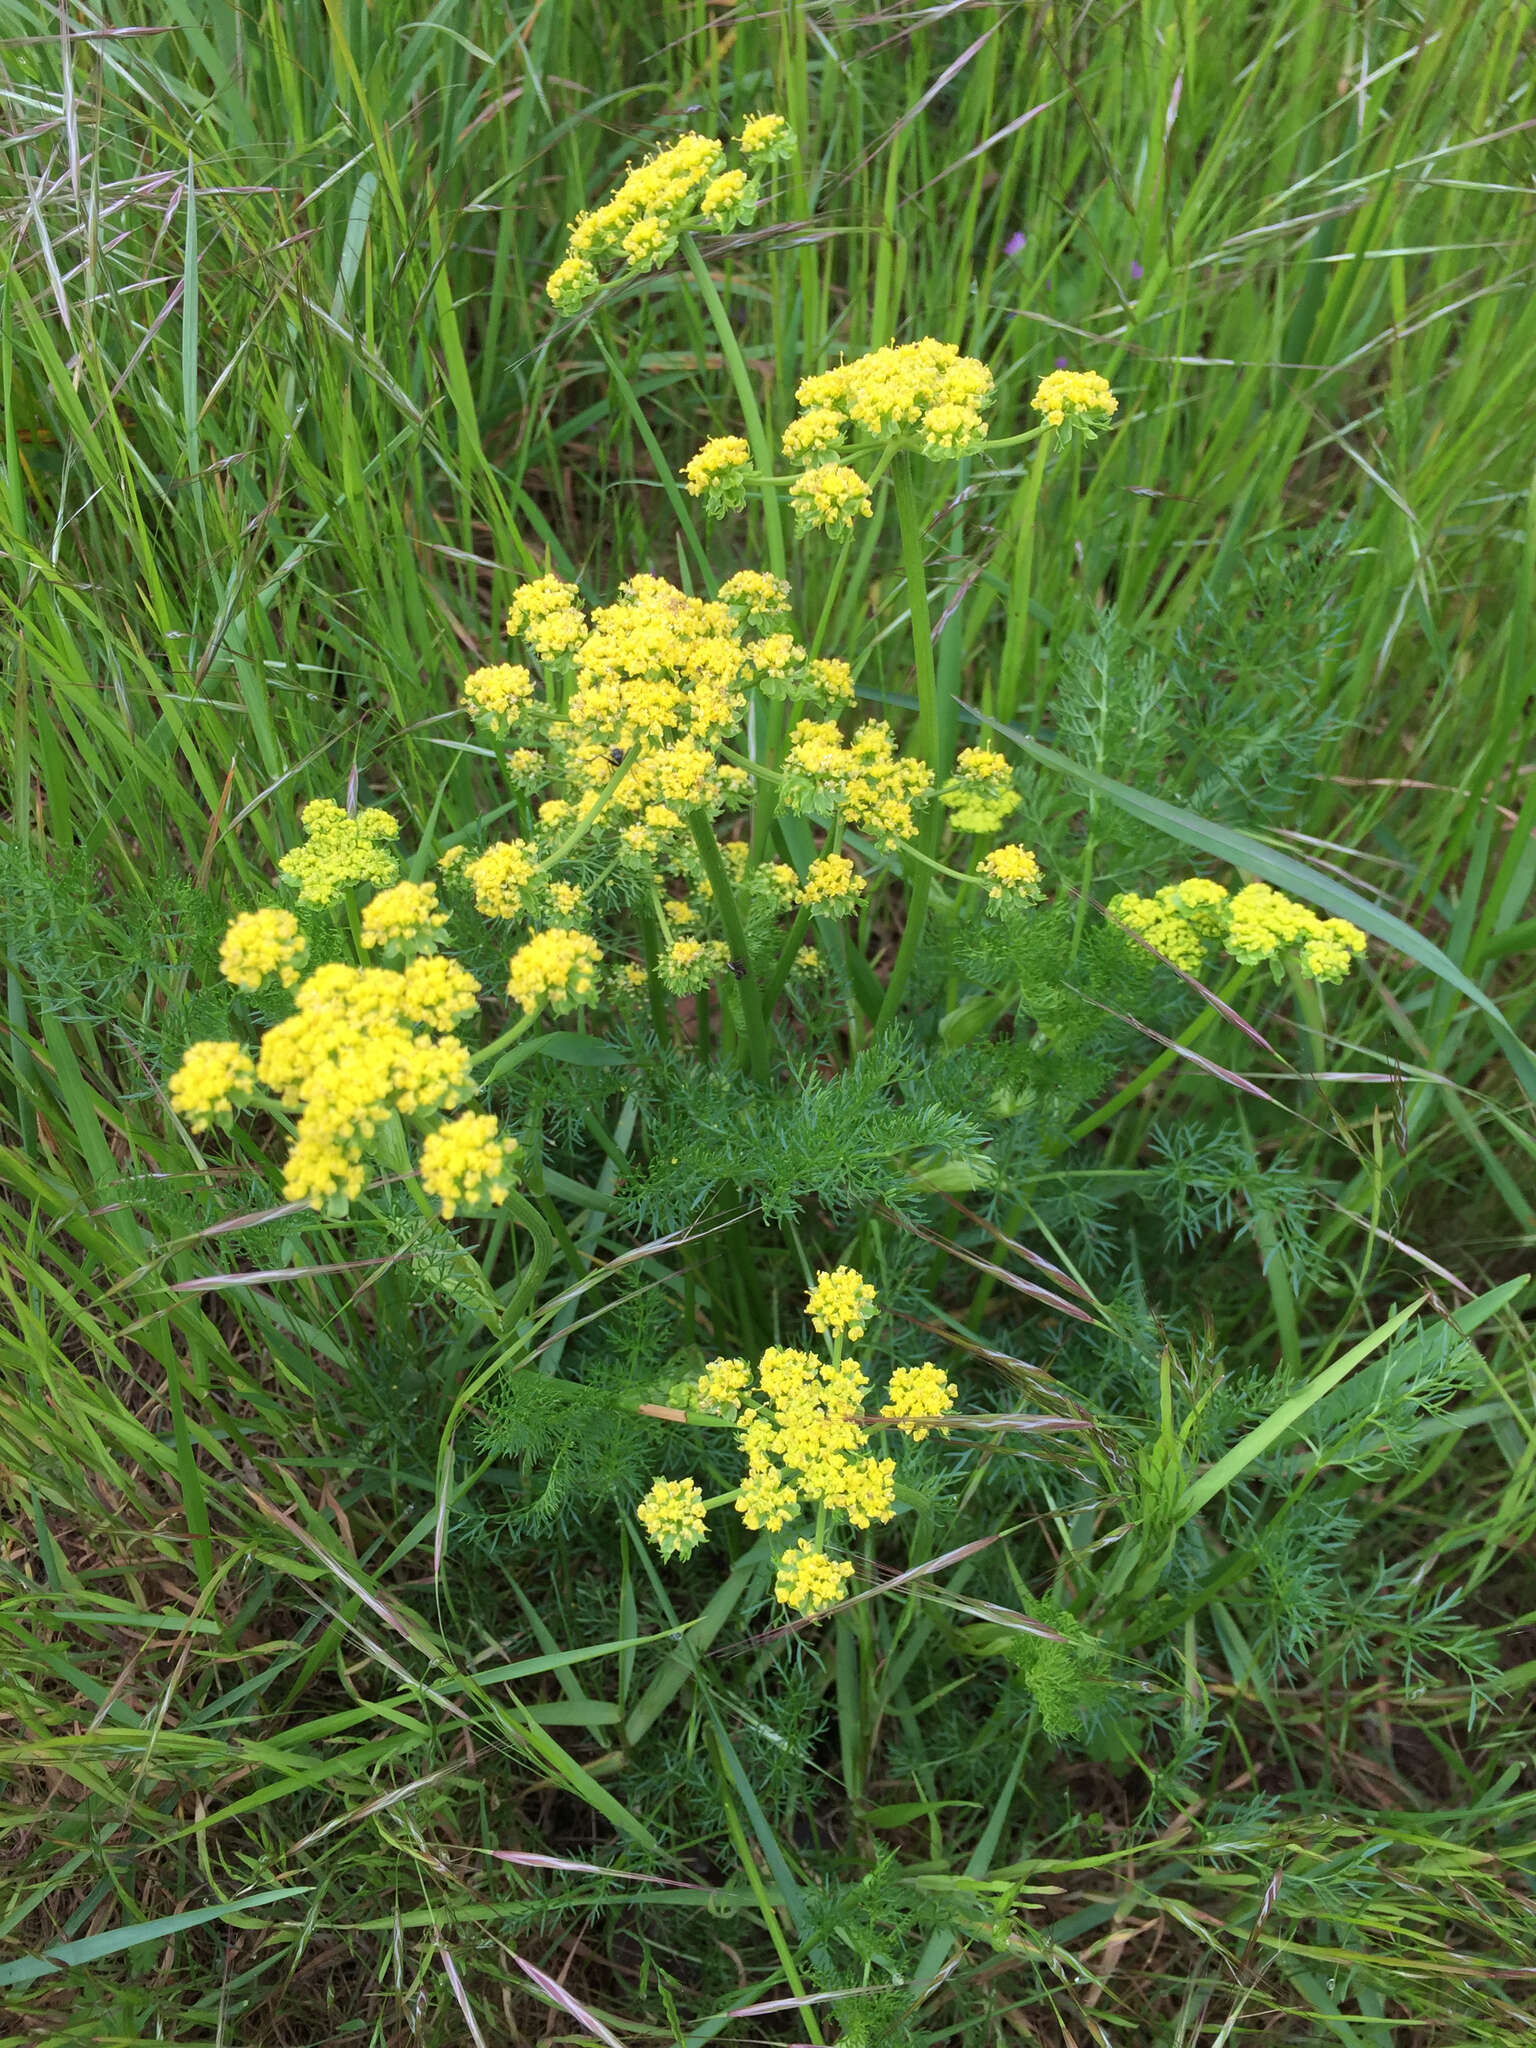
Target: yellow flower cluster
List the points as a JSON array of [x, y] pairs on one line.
[[1180, 921], [832, 886], [778, 664], [352, 1054], [923, 1391], [465, 1163], [801, 1428], [556, 969], [863, 780], [262, 942], [1183, 920], [439, 993], [726, 200], [808, 1580], [1014, 874], [672, 1515], [680, 186], [809, 1442], [657, 681], [760, 598], [980, 796], [689, 965], [339, 852], [767, 138], [840, 1304], [1263, 924], [829, 499], [831, 681], [658, 665], [547, 614], [721, 1386], [1075, 398], [497, 695], [718, 474], [215, 1078], [921, 392], [403, 920], [502, 878]]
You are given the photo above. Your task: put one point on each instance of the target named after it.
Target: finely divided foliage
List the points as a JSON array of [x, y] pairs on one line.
[[787, 1309]]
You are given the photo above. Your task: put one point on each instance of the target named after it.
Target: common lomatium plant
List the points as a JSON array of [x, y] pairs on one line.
[[698, 836]]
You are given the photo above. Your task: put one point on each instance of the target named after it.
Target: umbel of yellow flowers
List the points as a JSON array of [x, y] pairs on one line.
[[1186, 919], [805, 1439], [686, 185], [922, 395]]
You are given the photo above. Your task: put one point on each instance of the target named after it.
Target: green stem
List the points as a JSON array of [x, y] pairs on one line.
[[909, 521], [507, 1039], [926, 736], [736, 936], [584, 824], [1160, 1065], [746, 398], [1016, 639]]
